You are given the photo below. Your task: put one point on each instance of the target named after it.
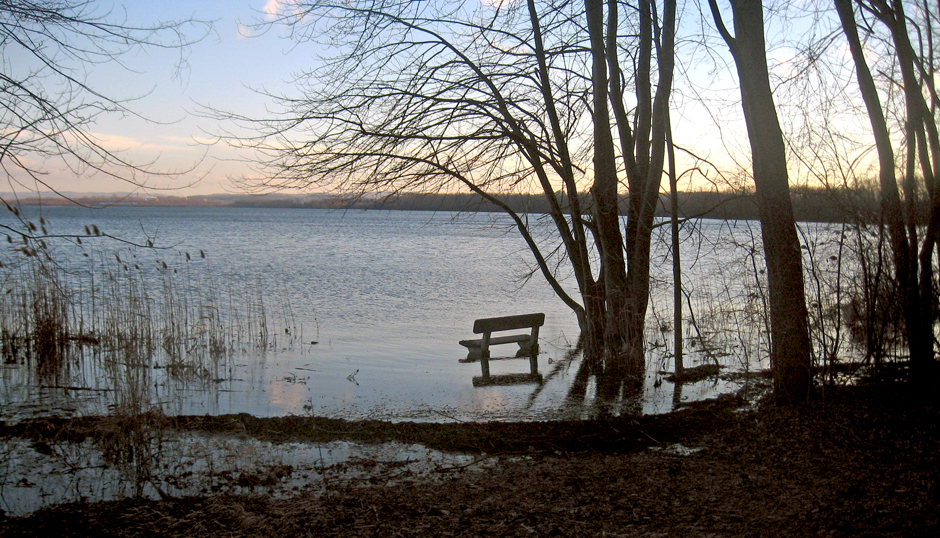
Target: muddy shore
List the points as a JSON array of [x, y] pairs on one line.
[[862, 461]]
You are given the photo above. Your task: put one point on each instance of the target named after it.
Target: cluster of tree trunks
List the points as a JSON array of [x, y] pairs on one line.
[[913, 270]]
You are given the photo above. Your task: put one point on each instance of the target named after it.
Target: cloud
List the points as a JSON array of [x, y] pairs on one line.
[[172, 151], [244, 31], [271, 8], [275, 10]]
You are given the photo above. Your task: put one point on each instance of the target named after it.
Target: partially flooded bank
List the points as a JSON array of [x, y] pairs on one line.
[[50, 461], [40, 474], [860, 461]]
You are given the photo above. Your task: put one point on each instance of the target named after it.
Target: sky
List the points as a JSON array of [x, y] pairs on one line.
[[225, 69]]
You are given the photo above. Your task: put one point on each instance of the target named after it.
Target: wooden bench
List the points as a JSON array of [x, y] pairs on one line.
[[479, 349]]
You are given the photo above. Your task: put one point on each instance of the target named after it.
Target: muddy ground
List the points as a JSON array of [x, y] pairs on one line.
[[860, 461]]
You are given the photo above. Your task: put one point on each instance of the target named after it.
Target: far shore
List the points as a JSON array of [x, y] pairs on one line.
[[809, 205]]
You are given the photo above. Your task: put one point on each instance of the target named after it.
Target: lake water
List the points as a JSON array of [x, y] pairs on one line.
[[386, 296]]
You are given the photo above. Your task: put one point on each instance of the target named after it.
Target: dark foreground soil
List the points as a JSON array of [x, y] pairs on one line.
[[861, 462]]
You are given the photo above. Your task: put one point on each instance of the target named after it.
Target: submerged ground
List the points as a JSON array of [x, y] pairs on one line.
[[858, 461]]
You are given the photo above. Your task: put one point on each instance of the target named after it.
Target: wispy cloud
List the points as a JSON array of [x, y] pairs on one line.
[[150, 145], [275, 9], [272, 8], [244, 31]]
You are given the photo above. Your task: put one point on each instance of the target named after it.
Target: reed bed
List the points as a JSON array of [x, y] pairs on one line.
[[131, 308], [125, 322]]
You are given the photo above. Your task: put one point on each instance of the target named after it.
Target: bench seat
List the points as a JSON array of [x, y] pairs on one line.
[[520, 338], [475, 347]]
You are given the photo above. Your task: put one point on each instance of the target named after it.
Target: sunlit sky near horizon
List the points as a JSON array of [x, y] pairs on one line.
[[223, 71]]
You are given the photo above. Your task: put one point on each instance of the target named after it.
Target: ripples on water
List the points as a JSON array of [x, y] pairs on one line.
[[386, 295]]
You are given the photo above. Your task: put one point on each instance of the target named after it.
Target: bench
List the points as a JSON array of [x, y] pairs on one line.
[[479, 349]]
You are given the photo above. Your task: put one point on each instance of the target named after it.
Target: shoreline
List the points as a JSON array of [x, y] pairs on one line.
[[847, 465]]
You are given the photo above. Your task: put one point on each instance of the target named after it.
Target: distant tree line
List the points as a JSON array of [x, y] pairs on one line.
[[809, 204], [859, 205]]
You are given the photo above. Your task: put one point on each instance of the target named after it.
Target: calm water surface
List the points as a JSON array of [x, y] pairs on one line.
[[386, 296]]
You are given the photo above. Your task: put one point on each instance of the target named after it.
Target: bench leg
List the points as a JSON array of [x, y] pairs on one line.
[[485, 356], [534, 345], [531, 350]]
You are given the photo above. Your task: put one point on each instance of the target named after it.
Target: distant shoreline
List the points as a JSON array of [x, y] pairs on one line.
[[814, 205]]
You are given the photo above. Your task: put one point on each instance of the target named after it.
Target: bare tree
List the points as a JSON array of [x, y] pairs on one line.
[[47, 105], [790, 351], [913, 270], [495, 98], [891, 210]]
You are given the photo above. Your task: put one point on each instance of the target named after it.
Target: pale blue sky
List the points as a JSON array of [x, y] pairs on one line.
[[220, 71], [222, 68]]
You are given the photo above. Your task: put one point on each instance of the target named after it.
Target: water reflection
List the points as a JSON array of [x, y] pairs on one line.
[[92, 380], [38, 474]]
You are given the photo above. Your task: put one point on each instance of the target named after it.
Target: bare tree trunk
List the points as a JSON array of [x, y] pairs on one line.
[[626, 277], [676, 259], [890, 197], [790, 348], [923, 145], [591, 318], [919, 116], [920, 322], [606, 212], [643, 154]]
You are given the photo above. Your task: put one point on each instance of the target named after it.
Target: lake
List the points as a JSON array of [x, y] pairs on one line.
[[386, 296]]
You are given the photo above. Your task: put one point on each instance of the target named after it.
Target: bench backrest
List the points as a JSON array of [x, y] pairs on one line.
[[508, 323]]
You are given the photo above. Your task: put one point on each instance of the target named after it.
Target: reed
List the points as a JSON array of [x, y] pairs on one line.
[[79, 302], [132, 319]]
